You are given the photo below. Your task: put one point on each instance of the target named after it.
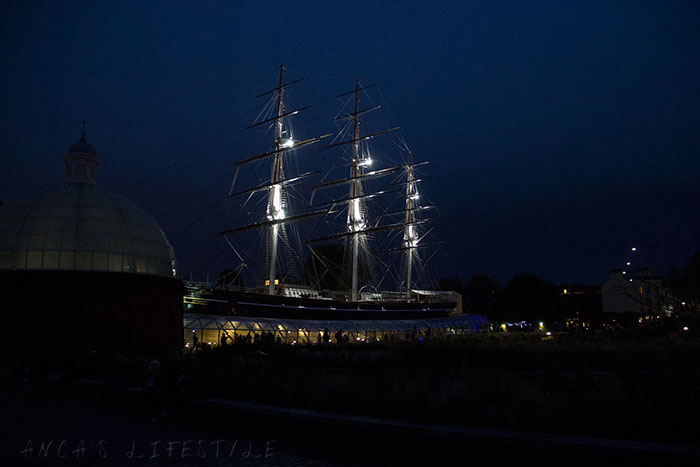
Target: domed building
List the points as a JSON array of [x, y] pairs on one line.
[[82, 268]]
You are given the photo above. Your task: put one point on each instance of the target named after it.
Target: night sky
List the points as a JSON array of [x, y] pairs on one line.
[[560, 134]]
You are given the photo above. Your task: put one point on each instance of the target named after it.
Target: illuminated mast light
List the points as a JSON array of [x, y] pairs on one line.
[[411, 238], [276, 210]]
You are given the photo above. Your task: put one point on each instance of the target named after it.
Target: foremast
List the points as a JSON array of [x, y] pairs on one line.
[[275, 207], [276, 214], [410, 236]]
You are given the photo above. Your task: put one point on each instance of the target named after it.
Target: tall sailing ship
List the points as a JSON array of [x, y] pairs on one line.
[[344, 256]]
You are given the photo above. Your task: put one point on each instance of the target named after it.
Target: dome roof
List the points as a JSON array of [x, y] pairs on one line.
[[82, 147], [82, 228]]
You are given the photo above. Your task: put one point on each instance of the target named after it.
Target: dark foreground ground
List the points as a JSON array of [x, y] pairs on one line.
[[518, 399], [82, 431]]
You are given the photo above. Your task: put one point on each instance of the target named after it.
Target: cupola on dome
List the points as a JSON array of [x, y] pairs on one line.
[[81, 162], [82, 147], [82, 228]]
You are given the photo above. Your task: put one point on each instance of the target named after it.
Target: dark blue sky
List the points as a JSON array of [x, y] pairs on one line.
[[560, 134]]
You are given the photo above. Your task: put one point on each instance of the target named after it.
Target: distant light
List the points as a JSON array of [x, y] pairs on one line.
[[634, 248], [549, 333], [541, 324], [628, 263], [624, 272], [685, 328], [683, 303]]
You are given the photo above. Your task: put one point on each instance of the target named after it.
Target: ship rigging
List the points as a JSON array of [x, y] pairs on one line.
[[360, 227]]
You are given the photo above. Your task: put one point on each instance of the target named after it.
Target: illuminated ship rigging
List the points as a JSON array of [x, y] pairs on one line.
[[283, 298]]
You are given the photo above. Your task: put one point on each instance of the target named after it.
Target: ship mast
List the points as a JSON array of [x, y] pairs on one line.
[[355, 223], [276, 188], [410, 238], [275, 210]]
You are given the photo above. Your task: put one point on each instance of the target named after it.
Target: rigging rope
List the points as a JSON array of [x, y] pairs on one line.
[[182, 136]]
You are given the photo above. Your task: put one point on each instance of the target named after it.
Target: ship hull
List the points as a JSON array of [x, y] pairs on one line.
[[250, 304]]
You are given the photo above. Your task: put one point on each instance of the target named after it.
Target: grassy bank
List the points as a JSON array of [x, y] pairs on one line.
[[629, 386], [624, 385]]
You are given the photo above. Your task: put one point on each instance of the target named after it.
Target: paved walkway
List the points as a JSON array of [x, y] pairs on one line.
[[74, 429], [88, 433]]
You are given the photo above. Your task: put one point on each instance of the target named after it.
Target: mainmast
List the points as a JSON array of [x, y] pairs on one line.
[[355, 221]]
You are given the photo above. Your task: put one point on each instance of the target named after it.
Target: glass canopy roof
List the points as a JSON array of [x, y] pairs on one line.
[[82, 228]]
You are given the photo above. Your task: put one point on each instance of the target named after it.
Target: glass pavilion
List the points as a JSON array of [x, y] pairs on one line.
[[209, 329]]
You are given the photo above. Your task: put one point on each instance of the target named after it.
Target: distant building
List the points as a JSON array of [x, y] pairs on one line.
[[579, 304], [81, 268], [640, 293]]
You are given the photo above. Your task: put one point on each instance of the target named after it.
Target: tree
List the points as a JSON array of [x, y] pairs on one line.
[[482, 295], [328, 267], [450, 283], [691, 277], [690, 291], [482, 285], [530, 298]]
